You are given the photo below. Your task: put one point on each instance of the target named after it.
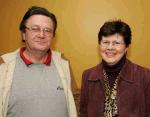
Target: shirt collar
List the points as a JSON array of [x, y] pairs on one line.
[[28, 62]]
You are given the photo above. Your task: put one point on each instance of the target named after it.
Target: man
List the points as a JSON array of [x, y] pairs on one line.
[[35, 81]]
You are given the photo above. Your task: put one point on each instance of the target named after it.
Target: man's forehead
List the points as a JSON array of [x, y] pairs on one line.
[[39, 19]]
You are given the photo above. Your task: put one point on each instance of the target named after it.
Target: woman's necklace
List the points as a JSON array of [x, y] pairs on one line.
[[110, 97]]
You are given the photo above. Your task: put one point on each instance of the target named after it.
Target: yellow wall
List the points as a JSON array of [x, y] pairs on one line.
[[78, 25]]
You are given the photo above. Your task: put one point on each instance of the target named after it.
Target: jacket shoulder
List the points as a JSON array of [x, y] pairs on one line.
[[93, 73], [144, 71], [58, 55], [1, 60], [140, 72], [8, 57], [138, 67], [92, 69]]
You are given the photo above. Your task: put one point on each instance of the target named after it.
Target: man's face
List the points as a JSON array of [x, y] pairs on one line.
[[39, 33]]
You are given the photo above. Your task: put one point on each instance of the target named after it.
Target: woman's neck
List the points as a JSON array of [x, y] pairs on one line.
[[114, 68]]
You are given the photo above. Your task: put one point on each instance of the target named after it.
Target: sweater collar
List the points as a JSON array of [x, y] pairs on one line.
[[114, 68]]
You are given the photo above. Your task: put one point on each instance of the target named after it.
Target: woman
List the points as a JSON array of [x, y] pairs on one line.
[[116, 87]]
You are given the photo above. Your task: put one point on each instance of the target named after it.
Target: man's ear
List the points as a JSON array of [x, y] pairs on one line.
[[1, 60], [23, 37]]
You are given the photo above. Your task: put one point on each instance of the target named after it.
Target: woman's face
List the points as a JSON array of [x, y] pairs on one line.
[[112, 48]]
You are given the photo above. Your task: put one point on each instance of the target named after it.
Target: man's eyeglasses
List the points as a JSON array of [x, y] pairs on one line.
[[37, 30], [115, 44]]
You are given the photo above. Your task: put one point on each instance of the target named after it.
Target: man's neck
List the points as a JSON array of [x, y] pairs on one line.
[[35, 56]]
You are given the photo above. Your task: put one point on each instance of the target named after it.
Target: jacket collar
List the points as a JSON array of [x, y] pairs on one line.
[[96, 73], [126, 72], [1, 60]]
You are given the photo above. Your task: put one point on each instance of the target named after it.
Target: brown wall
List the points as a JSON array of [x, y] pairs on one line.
[[78, 25]]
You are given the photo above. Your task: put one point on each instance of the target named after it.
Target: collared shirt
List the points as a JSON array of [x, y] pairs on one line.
[[28, 62]]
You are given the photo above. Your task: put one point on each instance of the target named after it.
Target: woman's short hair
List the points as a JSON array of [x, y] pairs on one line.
[[115, 26]]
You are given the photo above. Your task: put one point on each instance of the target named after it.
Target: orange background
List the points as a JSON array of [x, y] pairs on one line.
[[78, 25]]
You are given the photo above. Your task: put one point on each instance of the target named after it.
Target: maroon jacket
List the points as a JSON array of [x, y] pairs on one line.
[[133, 97]]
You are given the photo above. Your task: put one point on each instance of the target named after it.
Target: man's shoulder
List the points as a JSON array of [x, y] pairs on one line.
[[58, 55], [8, 57], [1, 60]]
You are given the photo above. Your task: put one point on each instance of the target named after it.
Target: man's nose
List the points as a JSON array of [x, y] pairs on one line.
[[42, 33]]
